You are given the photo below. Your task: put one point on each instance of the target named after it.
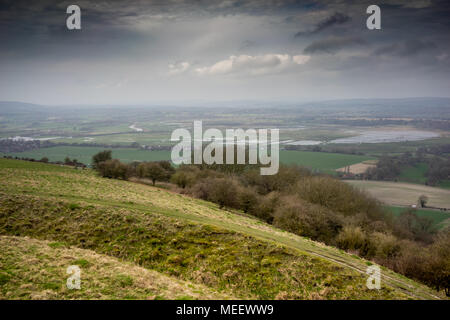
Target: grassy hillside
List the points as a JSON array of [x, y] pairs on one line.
[[183, 238], [34, 269]]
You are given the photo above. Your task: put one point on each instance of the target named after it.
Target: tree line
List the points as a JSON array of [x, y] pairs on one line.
[[436, 159]]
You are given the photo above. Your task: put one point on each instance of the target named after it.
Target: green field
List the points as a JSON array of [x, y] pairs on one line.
[[440, 218], [326, 162], [322, 161], [414, 174], [176, 236], [84, 154]]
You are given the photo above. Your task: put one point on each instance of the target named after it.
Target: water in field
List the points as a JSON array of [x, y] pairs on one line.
[[20, 138], [302, 142], [133, 126], [384, 136]]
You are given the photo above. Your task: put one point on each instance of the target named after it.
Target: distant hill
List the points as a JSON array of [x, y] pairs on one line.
[[14, 108]]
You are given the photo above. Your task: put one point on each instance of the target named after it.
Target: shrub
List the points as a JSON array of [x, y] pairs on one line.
[[185, 176], [338, 196], [351, 238], [113, 169], [224, 192], [248, 199], [387, 246], [153, 171], [101, 157], [306, 219], [266, 206]]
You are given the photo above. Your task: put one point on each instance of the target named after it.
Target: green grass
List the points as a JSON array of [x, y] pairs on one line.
[[84, 154], [325, 162], [438, 217], [444, 184], [184, 238], [322, 161], [414, 174], [32, 269]]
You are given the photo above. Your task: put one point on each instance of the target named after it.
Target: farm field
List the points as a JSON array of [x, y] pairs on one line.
[[415, 174], [326, 162], [84, 154], [177, 236], [358, 168], [440, 218], [403, 194], [322, 161]]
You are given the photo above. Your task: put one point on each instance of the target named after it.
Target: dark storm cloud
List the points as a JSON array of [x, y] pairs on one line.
[[332, 45], [128, 46], [335, 19]]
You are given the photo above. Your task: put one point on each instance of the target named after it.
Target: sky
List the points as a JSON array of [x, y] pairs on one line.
[[138, 52]]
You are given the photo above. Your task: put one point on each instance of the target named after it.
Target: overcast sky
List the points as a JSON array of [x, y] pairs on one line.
[[136, 51]]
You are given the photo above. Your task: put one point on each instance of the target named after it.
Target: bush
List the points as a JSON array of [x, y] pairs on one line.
[[338, 196], [248, 199], [113, 169], [101, 157], [286, 177], [185, 176], [306, 219], [153, 171], [387, 246], [266, 206], [351, 238], [224, 192]]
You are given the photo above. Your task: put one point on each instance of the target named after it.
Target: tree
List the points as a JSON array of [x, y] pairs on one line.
[[101, 157], [44, 159], [423, 199], [153, 171], [224, 192], [67, 161], [113, 169]]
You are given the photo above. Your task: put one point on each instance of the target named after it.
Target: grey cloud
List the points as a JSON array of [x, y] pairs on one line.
[[332, 45], [406, 48], [335, 19]]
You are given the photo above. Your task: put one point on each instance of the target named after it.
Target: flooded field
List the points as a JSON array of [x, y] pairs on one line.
[[388, 136]]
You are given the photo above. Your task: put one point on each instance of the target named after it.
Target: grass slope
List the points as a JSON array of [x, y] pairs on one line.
[[36, 269], [186, 238]]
